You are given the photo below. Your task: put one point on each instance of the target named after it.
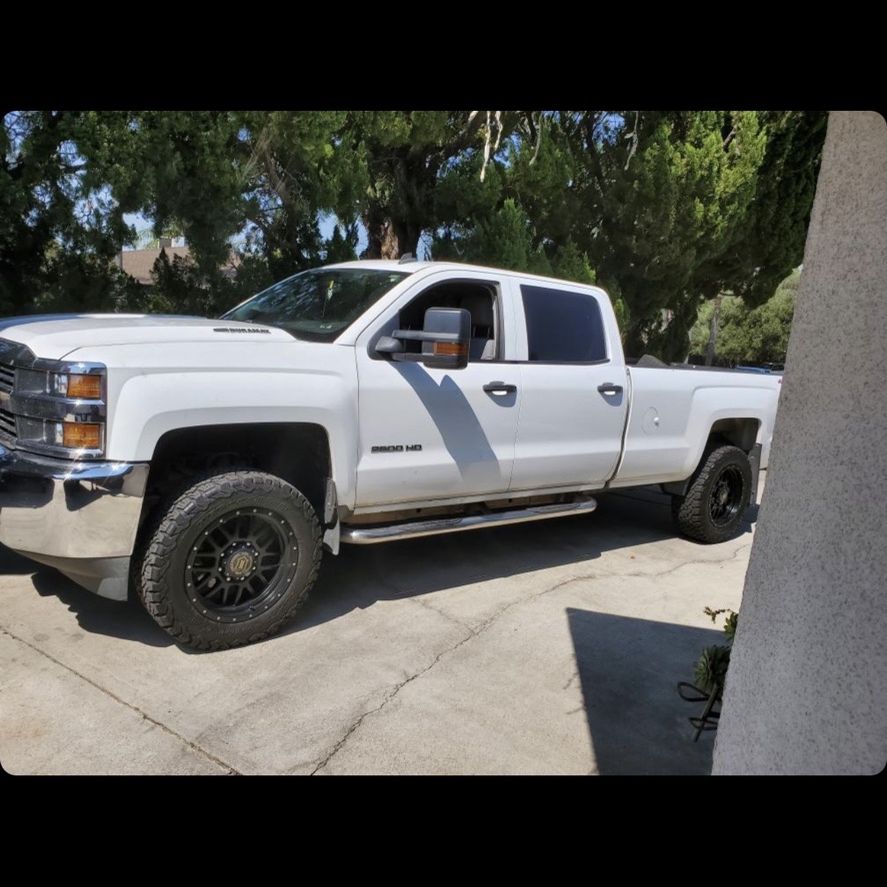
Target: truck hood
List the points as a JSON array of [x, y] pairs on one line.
[[56, 335]]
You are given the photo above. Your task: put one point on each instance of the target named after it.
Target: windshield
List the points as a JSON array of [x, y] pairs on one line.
[[318, 304]]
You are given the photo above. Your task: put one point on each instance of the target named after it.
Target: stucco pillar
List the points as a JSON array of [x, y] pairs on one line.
[[807, 686]]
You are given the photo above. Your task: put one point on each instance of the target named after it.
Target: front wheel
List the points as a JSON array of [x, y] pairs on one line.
[[230, 560], [712, 509]]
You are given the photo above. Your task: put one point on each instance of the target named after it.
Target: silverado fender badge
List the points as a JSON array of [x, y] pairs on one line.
[[397, 448]]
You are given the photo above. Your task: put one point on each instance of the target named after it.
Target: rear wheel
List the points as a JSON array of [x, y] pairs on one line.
[[713, 507], [230, 560]]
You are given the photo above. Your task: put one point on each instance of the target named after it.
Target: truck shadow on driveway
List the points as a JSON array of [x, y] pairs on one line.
[[94, 614], [362, 576], [97, 615]]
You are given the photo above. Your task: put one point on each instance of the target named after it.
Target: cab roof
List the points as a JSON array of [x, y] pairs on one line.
[[411, 267]]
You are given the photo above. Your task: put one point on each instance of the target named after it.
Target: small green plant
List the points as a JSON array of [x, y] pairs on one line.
[[711, 669], [729, 622]]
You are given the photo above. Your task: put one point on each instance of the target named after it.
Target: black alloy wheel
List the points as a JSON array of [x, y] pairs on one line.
[[713, 507], [726, 497], [229, 560], [241, 564]]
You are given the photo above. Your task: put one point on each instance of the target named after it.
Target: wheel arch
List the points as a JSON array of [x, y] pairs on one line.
[[738, 431], [297, 452]]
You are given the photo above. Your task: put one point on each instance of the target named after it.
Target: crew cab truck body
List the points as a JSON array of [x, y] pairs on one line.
[[205, 463]]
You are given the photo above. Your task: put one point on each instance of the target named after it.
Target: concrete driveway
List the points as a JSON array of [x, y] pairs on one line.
[[552, 647]]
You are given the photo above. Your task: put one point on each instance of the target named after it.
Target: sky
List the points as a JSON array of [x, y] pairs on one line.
[[326, 223]]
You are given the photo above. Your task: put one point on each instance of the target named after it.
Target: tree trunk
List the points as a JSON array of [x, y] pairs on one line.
[[381, 236], [713, 332], [634, 344], [388, 238]]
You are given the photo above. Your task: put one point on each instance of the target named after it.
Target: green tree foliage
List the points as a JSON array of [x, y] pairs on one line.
[[501, 239], [58, 231], [664, 209], [182, 169], [770, 242], [405, 157], [749, 334], [298, 166], [703, 213], [667, 208], [515, 219], [659, 196], [67, 179]]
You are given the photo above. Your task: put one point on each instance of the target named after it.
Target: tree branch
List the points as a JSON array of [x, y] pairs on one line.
[[633, 135]]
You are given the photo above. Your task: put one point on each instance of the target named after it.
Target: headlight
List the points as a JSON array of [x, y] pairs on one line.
[[59, 408], [76, 385]]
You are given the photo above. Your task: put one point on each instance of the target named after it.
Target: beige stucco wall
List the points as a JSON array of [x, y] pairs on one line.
[[807, 686]]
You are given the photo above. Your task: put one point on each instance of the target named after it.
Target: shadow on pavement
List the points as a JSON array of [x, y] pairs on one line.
[[629, 669], [98, 615], [12, 564], [94, 614], [361, 576]]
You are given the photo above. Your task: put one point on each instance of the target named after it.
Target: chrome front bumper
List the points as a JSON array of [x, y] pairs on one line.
[[80, 517]]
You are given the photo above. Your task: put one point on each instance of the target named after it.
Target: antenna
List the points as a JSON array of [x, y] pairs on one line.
[[407, 257]]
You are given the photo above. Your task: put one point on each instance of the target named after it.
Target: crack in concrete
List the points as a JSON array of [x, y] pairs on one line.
[[388, 697], [231, 771], [475, 632], [680, 566], [573, 678], [425, 605], [472, 633]]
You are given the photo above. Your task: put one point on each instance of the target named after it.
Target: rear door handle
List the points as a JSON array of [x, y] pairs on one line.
[[608, 389], [499, 388]]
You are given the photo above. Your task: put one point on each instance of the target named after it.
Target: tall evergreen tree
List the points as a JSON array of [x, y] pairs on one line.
[[405, 156], [665, 209], [59, 230], [670, 208], [749, 334]]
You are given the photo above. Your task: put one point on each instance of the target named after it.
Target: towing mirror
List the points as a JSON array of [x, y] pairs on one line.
[[445, 337], [447, 334]]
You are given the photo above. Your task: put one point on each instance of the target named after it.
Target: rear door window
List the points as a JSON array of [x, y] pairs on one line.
[[563, 326]]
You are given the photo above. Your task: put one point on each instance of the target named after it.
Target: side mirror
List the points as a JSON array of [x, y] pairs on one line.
[[449, 330], [445, 337]]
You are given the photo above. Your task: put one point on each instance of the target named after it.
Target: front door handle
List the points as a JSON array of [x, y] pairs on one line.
[[499, 388], [608, 389]]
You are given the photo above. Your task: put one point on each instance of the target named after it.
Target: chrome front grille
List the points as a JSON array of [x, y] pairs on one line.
[[7, 377], [7, 424], [7, 420], [9, 352]]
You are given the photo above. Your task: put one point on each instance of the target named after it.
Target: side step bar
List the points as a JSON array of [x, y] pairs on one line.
[[413, 529]]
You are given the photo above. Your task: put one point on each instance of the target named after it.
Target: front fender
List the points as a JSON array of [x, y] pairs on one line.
[[148, 406]]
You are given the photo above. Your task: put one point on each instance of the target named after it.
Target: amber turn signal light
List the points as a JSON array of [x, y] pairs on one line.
[[82, 435], [449, 349], [87, 387]]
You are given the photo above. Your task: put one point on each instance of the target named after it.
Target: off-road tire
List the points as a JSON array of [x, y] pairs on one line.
[[191, 514], [693, 512]]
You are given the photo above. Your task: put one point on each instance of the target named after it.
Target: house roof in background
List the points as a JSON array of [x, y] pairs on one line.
[[138, 263]]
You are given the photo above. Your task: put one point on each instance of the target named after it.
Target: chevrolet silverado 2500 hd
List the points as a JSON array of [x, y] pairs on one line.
[[206, 463]]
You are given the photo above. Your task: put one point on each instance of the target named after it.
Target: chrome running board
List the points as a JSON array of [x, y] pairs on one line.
[[412, 529]]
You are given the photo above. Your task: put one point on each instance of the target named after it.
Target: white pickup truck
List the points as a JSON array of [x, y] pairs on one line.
[[206, 463]]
